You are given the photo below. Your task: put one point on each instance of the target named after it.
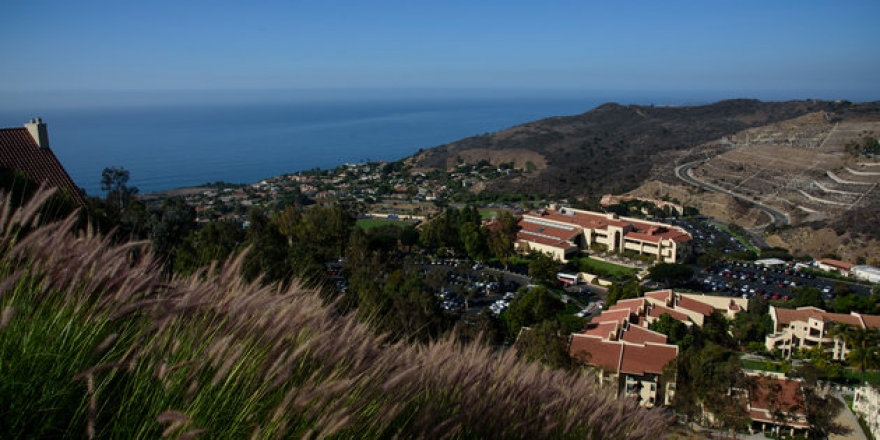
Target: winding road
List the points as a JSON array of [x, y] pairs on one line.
[[683, 172]]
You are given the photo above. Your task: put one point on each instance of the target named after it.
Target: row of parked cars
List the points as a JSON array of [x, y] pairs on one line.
[[750, 280]]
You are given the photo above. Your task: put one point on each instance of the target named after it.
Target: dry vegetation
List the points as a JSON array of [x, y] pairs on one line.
[[799, 166], [94, 342]]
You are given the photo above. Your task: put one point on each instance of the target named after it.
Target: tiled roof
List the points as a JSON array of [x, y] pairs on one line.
[[683, 302], [20, 152], [604, 330], [647, 358], [836, 263], [804, 314], [619, 315], [546, 241], [594, 351], [658, 311], [633, 305], [660, 295], [600, 221], [789, 399], [871, 321], [640, 335]]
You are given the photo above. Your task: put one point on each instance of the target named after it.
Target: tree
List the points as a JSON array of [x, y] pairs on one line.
[[114, 181], [503, 236], [170, 226], [618, 291], [864, 349], [543, 268], [533, 306], [807, 296], [475, 237], [545, 342], [821, 411], [267, 257], [670, 274], [674, 329]]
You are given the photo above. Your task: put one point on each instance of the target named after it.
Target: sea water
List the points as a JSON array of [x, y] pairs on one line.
[[172, 146]]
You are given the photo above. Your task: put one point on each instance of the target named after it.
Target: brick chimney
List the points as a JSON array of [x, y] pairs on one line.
[[37, 129]]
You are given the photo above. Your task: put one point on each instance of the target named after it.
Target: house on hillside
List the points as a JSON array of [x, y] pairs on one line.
[[562, 232], [26, 150], [808, 327]]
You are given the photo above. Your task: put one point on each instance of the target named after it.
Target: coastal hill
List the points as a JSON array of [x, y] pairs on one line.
[[775, 167]]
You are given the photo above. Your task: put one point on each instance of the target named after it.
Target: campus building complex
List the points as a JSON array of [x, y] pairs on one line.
[[621, 350], [562, 232], [808, 327]]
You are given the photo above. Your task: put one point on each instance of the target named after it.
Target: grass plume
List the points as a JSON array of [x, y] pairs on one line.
[[216, 356]]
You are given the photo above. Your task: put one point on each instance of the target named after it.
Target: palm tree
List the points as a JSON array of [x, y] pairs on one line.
[[864, 350], [863, 345]]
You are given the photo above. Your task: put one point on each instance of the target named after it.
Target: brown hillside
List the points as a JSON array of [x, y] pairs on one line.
[[611, 148]]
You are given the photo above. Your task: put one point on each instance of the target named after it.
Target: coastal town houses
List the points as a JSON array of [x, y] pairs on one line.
[[618, 346], [561, 232], [809, 327], [866, 403], [26, 150]]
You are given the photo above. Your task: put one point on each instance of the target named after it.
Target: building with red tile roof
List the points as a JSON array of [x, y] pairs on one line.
[[555, 230], [26, 150], [777, 403], [808, 327], [831, 265], [634, 362]]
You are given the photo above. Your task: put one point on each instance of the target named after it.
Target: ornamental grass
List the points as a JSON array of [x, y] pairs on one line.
[[96, 342]]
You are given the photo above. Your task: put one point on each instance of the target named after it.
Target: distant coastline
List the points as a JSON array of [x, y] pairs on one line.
[[173, 147]]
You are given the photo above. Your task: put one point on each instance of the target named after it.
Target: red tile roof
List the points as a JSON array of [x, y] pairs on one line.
[[658, 311], [619, 315], [803, 314], [788, 399], [20, 152], [594, 351], [683, 302], [871, 321], [604, 330], [660, 295], [842, 265], [640, 335], [600, 221], [633, 305], [647, 358]]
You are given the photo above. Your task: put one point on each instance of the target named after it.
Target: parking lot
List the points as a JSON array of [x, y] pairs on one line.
[[749, 280]]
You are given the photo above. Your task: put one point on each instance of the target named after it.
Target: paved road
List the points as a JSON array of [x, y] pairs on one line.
[[683, 172]]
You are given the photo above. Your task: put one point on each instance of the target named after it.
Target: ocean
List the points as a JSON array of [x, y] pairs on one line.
[[172, 146]]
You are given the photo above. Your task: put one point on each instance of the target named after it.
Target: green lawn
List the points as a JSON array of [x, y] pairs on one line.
[[487, 214], [369, 223], [603, 268]]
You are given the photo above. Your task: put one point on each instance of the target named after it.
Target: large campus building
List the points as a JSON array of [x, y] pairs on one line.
[[562, 232], [808, 327]]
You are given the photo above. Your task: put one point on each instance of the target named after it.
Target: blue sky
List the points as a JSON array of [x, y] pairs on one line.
[[765, 49]]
